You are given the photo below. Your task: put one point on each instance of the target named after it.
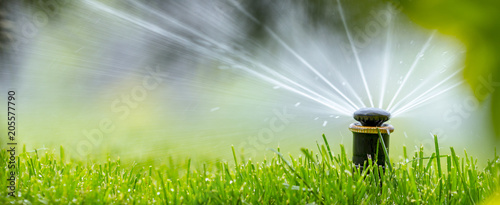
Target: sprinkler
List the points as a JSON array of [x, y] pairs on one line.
[[365, 135]]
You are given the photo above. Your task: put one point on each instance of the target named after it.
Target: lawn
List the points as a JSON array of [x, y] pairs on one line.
[[317, 176]]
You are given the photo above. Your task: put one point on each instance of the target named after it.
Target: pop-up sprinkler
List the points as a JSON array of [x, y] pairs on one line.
[[366, 137]]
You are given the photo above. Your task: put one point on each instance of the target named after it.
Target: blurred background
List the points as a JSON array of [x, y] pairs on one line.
[[149, 80]]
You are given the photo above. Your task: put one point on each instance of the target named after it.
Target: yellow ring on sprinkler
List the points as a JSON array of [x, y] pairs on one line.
[[358, 128]]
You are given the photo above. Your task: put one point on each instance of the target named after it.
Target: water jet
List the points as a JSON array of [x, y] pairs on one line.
[[365, 135]]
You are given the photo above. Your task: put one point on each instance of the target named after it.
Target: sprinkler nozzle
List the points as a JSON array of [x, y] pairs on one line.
[[373, 117]]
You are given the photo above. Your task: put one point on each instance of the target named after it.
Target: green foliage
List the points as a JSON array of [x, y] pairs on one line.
[[475, 23], [321, 178]]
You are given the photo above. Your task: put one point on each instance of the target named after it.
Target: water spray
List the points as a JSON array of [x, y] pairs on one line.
[[366, 135]]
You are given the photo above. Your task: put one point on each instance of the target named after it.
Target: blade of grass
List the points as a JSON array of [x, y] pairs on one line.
[[438, 160], [234, 156], [328, 148], [387, 160]]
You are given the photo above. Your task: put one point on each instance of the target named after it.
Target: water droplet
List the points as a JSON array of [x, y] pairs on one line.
[[316, 118], [324, 123], [400, 62], [158, 193], [337, 117], [297, 104], [344, 83]]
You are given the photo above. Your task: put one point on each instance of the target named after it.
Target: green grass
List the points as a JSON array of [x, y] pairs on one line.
[[319, 176]]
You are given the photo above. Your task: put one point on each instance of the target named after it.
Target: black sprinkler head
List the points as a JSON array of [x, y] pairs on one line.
[[373, 117], [366, 135]]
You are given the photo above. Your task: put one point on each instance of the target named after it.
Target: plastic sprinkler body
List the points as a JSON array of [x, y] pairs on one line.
[[365, 135]]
